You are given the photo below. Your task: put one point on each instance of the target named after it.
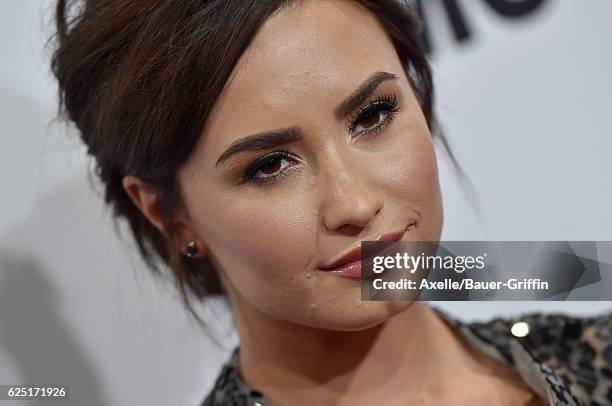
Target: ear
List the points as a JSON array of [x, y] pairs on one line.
[[145, 197]]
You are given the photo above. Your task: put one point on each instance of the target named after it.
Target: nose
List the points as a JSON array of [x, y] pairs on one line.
[[350, 200]]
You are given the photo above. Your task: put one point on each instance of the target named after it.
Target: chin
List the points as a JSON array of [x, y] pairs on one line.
[[366, 314]]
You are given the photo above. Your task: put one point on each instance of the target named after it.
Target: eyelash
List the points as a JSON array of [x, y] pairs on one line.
[[382, 103], [262, 163]]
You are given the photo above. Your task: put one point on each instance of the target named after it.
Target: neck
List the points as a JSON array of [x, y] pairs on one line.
[[414, 346]]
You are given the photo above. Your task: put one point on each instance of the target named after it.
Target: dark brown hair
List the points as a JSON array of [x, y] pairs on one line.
[[139, 78]]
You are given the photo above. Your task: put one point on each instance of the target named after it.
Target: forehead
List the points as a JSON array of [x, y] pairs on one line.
[[303, 62]]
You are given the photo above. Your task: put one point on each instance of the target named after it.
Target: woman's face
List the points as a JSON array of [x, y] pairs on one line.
[[270, 224]]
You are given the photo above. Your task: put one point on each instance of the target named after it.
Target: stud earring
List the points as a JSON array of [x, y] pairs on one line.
[[191, 249]]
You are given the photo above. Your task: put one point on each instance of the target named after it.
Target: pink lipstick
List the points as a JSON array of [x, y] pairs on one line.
[[349, 263]]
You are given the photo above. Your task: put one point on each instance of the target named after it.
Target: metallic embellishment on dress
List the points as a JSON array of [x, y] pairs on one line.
[[520, 329]]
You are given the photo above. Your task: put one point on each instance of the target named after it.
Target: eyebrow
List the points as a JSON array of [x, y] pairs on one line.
[[271, 139]]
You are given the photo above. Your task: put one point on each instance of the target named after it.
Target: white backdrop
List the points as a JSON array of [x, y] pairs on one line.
[[525, 104]]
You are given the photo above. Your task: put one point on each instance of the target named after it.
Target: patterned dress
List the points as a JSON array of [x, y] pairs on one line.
[[565, 360]]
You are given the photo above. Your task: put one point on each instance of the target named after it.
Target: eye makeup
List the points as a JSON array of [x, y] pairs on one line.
[[385, 103], [270, 160], [376, 114]]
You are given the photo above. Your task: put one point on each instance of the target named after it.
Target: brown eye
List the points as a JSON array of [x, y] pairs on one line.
[[374, 116], [370, 120], [270, 168]]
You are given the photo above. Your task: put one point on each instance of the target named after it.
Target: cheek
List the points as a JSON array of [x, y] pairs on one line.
[[261, 239], [411, 178]]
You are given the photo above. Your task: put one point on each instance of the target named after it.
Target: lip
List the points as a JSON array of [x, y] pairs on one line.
[[349, 262]]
